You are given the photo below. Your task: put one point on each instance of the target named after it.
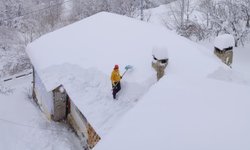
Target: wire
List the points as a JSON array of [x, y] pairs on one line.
[[31, 126], [34, 11]]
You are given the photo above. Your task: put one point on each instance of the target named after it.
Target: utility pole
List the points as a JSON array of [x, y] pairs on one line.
[[141, 9]]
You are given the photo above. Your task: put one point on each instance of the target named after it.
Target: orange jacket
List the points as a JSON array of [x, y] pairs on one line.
[[115, 76]]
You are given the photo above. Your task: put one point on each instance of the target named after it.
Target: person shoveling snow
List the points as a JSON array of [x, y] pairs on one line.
[[115, 79]]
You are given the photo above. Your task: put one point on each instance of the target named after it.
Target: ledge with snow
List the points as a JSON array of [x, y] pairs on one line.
[[72, 68]]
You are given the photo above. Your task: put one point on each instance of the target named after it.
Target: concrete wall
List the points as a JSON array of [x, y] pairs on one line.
[[80, 122], [44, 98], [82, 126]]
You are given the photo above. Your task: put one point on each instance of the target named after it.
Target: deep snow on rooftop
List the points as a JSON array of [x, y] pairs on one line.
[[106, 39], [224, 41], [185, 113], [81, 58]]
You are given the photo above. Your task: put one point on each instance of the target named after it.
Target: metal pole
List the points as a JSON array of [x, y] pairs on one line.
[[141, 9]]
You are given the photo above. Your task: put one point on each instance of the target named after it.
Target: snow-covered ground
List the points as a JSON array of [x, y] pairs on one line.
[[24, 127]]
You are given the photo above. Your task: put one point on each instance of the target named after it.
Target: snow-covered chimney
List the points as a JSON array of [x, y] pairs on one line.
[[160, 60], [223, 48]]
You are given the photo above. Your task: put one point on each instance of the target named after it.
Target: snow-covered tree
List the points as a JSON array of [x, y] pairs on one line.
[[227, 17], [84, 8], [21, 22], [178, 16], [125, 7], [245, 9]]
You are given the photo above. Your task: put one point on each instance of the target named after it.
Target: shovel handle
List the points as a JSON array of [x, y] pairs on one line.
[[124, 73]]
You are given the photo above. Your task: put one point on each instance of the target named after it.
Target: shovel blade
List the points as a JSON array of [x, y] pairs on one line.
[[128, 67]]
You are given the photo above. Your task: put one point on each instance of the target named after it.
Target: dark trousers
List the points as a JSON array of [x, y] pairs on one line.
[[116, 89]]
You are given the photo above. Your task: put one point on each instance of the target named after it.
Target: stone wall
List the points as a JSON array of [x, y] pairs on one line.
[[159, 66], [225, 56], [94, 138]]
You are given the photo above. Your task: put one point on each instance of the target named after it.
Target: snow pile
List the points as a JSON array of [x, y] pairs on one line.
[[224, 41], [184, 113]]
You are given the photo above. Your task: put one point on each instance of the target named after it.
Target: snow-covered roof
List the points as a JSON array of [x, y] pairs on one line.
[[224, 41], [104, 40], [185, 113], [81, 57]]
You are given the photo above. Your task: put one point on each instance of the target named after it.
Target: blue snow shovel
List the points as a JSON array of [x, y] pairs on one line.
[[127, 68]]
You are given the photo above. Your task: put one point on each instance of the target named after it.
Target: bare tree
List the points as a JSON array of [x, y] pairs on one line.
[[165, 1], [125, 7], [147, 16], [245, 8], [84, 8], [206, 8], [22, 23], [178, 16]]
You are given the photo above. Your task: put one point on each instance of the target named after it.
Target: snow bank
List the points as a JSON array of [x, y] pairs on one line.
[[185, 113], [224, 41]]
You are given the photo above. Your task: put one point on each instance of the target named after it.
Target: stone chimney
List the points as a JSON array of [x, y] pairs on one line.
[[223, 48], [160, 60]]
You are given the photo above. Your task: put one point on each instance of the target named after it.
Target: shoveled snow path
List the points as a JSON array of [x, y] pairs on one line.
[[90, 90]]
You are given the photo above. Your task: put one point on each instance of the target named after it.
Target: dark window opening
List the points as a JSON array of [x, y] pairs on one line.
[[164, 61], [228, 49], [218, 50]]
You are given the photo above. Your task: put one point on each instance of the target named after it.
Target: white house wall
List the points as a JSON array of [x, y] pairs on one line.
[[44, 98], [81, 123]]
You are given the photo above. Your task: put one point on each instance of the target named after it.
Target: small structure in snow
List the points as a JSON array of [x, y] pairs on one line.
[[223, 48], [160, 60], [57, 106]]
